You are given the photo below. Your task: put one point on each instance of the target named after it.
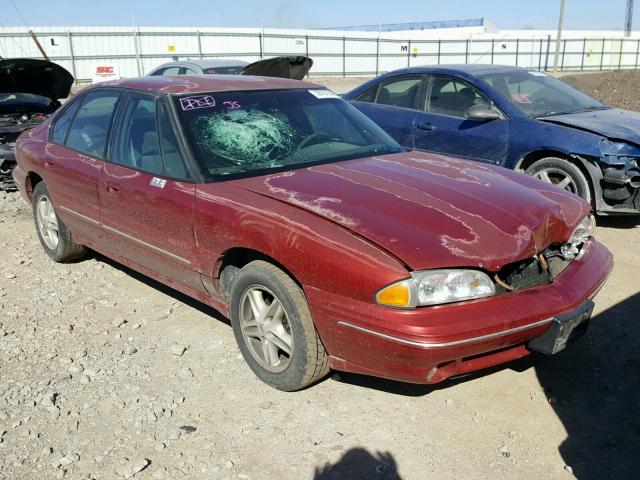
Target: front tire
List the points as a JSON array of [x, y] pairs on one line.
[[274, 329], [563, 174], [53, 234]]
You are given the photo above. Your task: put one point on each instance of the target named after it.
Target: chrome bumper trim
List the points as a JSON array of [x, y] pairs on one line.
[[447, 344], [79, 215], [148, 245]]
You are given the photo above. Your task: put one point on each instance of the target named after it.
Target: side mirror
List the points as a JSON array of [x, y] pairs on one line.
[[483, 113]]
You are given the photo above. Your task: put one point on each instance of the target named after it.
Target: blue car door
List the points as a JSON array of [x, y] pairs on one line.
[[392, 105], [441, 125]]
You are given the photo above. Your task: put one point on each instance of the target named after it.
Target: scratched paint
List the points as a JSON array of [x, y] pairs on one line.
[[246, 137]]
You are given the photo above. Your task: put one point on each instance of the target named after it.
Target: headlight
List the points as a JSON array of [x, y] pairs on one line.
[[607, 147], [434, 287], [579, 237]]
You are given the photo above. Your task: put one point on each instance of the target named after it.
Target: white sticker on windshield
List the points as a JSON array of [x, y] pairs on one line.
[[323, 93], [538, 74]]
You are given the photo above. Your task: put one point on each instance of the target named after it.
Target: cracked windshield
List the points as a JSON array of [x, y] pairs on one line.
[[247, 133]]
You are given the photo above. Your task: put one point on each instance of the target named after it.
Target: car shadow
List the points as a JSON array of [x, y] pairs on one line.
[[161, 287], [394, 387], [360, 463], [594, 388]]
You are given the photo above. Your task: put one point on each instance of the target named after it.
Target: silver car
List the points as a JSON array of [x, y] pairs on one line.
[[295, 67], [200, 67]]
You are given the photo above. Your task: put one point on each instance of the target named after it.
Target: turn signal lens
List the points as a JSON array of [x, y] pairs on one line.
[[396, 295]]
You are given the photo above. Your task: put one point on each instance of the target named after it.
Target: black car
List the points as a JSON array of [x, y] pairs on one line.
[[30, 90]]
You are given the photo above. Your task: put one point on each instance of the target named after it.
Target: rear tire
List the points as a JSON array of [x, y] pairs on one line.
[[562, 173], [274, 329], [54, 235]]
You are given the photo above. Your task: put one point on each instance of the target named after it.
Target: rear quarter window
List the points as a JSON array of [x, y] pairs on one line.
[[90, 127], [62, 123]]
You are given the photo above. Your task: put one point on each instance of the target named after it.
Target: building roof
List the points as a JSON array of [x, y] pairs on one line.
[[396, 27]]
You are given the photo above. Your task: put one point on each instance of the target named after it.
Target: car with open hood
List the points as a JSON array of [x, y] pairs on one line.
[[520, 119], [294, 67], [30, 91], [325, 243]]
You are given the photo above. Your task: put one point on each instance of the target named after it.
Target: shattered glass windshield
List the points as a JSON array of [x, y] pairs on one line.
[[256, 132]]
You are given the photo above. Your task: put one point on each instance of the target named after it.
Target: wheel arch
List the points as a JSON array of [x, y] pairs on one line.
[[238, 257], [31, 180], [589, 169]]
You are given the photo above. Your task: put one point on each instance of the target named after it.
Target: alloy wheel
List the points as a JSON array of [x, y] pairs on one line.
[[557, 177], [265, 328], [47, 223]]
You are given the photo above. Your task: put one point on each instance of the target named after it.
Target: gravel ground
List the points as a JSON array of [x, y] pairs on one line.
[[107, 375], [618, 89]]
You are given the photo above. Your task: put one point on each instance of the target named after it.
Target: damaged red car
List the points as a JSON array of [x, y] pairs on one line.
[[325, 243]]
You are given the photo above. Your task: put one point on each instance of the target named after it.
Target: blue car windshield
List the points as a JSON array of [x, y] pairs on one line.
[[257, 132], [537, 94]]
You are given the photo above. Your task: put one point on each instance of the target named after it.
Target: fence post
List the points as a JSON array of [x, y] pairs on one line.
[[546, 58], [306, 45], [377, 55], [199, 45], [602, 54], [620, 57], [73, 58], [466, 52], [637, 53], [409, 53], [584, 49], [517, 50], [260, 46], [493, 47], [344, 57], [540, 57], [439, 50], [564, 49]]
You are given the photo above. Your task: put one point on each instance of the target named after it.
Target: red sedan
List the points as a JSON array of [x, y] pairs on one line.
[[325, 243]]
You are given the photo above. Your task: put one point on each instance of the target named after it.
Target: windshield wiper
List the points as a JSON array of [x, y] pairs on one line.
[[588, 109]]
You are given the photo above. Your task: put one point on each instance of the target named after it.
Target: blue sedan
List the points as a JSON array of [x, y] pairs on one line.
[[520, 119]]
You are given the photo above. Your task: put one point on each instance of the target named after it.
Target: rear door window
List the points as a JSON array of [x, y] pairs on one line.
[[402, 92], [170, 71], [90, 127]]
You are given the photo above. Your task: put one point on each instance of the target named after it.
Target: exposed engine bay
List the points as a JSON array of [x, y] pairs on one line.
[[29, 92]]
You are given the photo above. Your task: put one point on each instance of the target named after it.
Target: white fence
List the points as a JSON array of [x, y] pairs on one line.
[[135, 53]]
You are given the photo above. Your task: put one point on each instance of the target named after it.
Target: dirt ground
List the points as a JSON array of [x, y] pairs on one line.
[[105, 374]]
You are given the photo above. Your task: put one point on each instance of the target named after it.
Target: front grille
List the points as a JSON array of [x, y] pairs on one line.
[[532, 272]]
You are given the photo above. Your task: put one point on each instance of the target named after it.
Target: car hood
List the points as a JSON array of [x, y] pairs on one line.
[[294, 67], [613, 123], [37, 77], [432, 211]]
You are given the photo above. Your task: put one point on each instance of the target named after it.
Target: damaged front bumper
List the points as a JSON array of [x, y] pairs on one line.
[[428, 345]]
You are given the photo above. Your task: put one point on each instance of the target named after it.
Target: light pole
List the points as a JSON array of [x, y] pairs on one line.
[[628, 21], [556, 58]]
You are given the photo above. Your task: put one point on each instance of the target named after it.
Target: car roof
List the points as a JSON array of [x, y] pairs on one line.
[[467, 68], [206, 63], [205, 83]]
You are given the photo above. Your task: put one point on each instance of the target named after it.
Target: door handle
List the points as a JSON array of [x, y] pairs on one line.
[[425, 126], [48, 164], [111, 188]]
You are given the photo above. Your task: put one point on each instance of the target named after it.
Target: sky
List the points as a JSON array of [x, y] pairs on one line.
[[505, 14]]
